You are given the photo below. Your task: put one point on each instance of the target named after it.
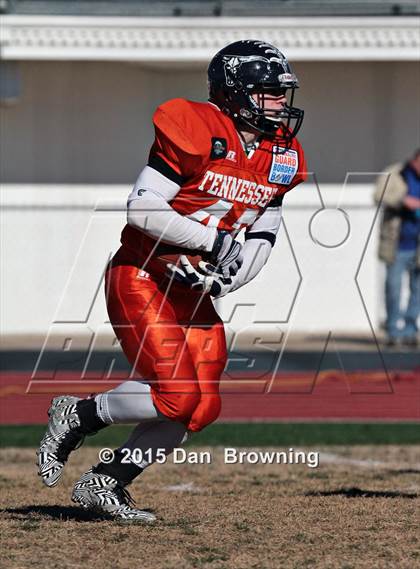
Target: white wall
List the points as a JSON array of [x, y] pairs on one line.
[[309, 284], [360, 117], [54, 247], [89, 123]]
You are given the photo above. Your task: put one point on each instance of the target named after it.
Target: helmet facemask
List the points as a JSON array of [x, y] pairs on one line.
[[282, 124]]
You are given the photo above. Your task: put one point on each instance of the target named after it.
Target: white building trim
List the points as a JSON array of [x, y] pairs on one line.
[[197, 39]]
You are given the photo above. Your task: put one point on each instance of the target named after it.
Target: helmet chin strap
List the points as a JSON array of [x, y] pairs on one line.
[[284, 142], [251, 127]]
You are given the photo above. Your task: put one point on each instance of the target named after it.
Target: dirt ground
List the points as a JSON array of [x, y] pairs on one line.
[[359, 509]]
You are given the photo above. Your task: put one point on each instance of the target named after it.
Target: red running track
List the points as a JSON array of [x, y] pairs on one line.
[[332, 395]]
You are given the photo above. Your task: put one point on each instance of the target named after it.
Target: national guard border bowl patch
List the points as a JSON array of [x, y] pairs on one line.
[[283, 166], [218, 148]]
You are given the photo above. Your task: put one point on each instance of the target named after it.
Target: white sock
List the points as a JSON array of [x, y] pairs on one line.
[[130, 402]]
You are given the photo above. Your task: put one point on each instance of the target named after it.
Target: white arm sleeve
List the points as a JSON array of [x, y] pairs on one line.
[[260, 239], [269, 222], [148, 210]]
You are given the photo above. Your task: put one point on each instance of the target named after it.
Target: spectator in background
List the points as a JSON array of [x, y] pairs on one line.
[[399, 245]]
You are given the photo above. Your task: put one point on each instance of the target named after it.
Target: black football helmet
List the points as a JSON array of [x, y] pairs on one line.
[[246, 67]]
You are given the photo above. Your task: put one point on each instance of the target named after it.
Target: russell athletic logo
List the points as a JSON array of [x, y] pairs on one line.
[[236, 189]]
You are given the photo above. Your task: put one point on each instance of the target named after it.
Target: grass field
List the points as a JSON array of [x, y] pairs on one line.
[[359, 509]]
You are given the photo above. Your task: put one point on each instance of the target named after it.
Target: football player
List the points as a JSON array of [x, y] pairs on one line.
[[214, 169]]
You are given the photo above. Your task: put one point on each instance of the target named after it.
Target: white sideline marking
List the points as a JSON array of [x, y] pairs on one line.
[[185, 487], [329, 457]]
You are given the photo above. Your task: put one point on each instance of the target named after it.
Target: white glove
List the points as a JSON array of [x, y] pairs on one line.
[[226, 255], [213, 283]]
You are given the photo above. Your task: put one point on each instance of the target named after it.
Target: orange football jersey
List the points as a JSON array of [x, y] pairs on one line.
[[198, 147]]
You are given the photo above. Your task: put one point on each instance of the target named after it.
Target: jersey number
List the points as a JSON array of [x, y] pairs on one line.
[[217, 211]]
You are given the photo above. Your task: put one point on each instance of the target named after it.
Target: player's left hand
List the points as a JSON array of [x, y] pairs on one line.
[[214, 284]]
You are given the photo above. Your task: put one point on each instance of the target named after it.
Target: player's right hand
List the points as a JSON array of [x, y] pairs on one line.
[[213, 284], [226, 256]]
